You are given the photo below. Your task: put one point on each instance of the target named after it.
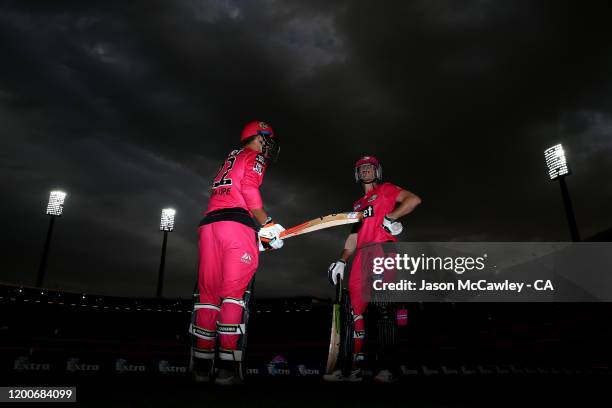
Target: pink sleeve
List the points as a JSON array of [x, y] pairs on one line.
[[254, 169], [392, 191]]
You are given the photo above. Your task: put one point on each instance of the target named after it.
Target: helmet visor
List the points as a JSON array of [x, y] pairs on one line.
[[271, 147], [366, 173]]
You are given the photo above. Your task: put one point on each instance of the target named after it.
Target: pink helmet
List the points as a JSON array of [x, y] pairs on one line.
[[368, 160], [255, 128], [271, 142]]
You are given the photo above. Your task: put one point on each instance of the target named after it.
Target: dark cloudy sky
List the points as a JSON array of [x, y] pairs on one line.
[[131, 107]]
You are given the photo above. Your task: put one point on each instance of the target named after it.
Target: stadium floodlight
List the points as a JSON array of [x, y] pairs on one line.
[[167, 219], [56, 203], [556, 162], [166, 225], [558, 169], [55, 208]]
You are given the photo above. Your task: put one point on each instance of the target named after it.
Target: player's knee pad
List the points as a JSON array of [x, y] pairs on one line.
[[202, 332], [203, 339], [358, 324], [230, 355], [231, 329], [235, 329], [230, 300], [203, 354], [233, 306]]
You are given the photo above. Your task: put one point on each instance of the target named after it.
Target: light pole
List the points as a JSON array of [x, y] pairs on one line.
[[55, 208], [558, 170], [166, 225]]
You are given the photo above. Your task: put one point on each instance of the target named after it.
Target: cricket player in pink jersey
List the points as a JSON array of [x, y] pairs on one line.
[[235, 228], [385, 203]]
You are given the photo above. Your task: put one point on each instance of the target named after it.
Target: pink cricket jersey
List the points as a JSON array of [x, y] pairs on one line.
[[382, 199], [237, 182]]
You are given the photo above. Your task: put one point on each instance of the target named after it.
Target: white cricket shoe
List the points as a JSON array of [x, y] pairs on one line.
[[385, 376]]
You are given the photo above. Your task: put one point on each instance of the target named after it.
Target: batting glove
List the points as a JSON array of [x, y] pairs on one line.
[[269, 237], [393, 227], [336, 270]]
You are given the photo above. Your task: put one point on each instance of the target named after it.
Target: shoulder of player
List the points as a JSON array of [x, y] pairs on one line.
[[237, 152], [249, 156], [387, 186], [390, 190], [254, 156], [254, 162]]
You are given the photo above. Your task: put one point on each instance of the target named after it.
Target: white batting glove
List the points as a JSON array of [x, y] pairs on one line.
[[336, 270], [393, 227], [269, 237]]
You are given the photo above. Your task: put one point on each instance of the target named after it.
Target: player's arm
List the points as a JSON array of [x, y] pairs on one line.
[[260, 215], [253, 177], [349, 247], [407, 203], [336, 269]]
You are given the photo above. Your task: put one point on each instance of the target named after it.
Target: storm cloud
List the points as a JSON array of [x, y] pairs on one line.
[[131, 107]]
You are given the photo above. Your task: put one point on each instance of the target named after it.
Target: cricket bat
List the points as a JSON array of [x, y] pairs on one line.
[[320, 223], [336, 335]]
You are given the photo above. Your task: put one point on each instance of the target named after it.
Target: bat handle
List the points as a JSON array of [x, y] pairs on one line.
[[338, 288]]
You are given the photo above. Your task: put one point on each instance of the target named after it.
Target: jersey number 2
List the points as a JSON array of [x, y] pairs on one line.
[[224, 180]]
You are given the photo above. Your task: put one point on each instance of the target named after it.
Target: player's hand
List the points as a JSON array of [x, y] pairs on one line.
[[336, 270], [269, 236], [392, 226]]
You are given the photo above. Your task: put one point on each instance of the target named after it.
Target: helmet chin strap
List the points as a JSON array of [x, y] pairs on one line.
[[367, 182]]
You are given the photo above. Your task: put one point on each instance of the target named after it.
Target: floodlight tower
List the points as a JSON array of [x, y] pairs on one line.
[[166, 225], [558, 170], [55, 208]]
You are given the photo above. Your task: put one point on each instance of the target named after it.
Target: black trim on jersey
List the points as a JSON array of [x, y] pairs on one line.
[[356, 227], [235, 214]]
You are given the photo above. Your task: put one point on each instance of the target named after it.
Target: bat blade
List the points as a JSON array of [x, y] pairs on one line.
[[336, 330], [334, 341], [328, 221]]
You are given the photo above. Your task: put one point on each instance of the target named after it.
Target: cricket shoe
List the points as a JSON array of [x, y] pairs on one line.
[[385, 376], [230, 376], [203, 370], [337, 376]]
